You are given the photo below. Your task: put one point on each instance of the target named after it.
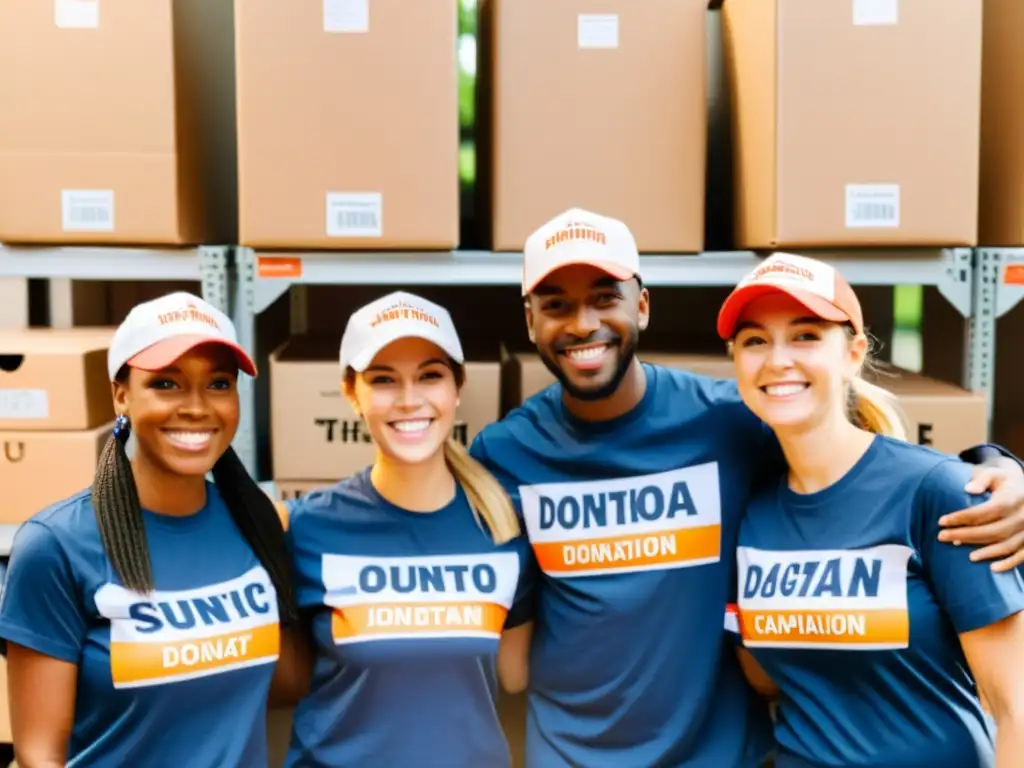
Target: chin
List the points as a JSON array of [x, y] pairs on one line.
[[406, 454], [198, 467]]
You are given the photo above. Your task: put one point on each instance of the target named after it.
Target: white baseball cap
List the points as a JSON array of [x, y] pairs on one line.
[[580, 237], [398, 315], [158, 332]]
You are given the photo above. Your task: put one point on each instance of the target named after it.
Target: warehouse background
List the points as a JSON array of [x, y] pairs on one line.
[[151, 145]]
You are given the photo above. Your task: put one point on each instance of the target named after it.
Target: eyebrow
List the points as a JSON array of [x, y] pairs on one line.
[[176, 369], [553, 290], [795, 321], [389, 369]]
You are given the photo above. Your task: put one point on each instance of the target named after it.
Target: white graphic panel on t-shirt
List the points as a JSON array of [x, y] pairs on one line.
[[184, 634], [827, 599], [436, 596], [642, 523]]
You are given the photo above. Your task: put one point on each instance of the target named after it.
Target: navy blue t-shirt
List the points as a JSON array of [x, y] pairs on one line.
[[180, 677], [853, 607], [407, 613], [633, 523]]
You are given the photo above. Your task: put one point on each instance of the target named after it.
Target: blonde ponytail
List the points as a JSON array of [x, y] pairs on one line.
[[875, 410], [487, 498]]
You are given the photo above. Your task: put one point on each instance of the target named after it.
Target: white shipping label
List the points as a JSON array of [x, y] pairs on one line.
[[24, 404], [598, 30], [874, 13], [873, 205], [347, 16], [77, 14], [355, 214], [87, 210]]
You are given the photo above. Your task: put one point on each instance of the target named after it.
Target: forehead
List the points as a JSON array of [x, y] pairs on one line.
[[575, 278], [407, 352], [201, 360]]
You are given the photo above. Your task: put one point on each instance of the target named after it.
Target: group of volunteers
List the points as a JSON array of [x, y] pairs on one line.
[[652, 555]]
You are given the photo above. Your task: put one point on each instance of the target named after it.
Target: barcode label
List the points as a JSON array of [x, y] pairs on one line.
[[24, 404], [873, 205], [346, 16], [88, 210], [76, 14], [875, 13], [354, 214], [597, 30]]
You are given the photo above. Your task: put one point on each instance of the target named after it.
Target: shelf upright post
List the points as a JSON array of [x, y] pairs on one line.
[[243, 314]]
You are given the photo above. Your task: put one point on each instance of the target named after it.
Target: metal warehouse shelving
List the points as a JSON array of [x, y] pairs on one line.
[[206, 264], [260, 278], [999, 287]]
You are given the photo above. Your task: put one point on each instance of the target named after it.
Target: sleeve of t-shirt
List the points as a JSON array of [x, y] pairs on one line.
[[40, 608], [979, 454], [524, 607], [972, 594]]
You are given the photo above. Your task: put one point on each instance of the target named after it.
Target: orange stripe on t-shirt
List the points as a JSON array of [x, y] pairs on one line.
[[140, 662], [358, 621], [632, 550], [857, 627]]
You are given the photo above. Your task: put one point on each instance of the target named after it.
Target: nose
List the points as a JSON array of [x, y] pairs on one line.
[[584, 322], [780, 356], [194, 405], [411, 396]]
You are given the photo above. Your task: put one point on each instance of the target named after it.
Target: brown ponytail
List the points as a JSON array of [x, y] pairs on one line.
[[875, 409]]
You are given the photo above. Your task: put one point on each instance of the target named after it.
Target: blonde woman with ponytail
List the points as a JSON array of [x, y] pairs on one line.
[[414, 573], [877, 638]]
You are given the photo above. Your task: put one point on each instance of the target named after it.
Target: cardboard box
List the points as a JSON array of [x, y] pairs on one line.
[[108, 134], [1001, 210], [27, 468], [600, 104], [348, 131], [315, 434], [855, 123], [54, 379], [939, 415]]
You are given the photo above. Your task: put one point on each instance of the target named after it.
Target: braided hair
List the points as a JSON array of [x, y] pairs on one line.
[[115, 500]]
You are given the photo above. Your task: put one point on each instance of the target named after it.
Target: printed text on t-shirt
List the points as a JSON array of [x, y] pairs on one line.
[[646, 522]]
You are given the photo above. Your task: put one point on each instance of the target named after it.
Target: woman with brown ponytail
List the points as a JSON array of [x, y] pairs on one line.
[[414, 574], [878, 634], [142, 616]]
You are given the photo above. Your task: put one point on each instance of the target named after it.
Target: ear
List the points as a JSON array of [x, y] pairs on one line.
[[857, 352], [122, 399], [528, 310], [644, 309], [350, 395]]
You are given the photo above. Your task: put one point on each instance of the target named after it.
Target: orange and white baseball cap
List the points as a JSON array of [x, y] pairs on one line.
[[156, 333], [816, 285], [398, 315], [579, 237]]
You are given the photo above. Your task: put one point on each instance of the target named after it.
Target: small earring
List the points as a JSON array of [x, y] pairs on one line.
[[121, 424]]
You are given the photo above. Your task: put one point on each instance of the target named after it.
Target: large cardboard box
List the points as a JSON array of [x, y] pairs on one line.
[[108, 134], [28, 463], [599, 104], [855, 122], [55, 379], [1001, 214], [315, 434], [939, 415], [348, 129]]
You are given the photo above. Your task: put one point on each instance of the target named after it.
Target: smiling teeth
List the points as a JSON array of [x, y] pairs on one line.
[[590, 353], [782, 390], [411, 426], [190, 438]]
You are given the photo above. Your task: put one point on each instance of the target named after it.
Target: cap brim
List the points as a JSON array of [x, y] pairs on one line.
[[165, 353], [617, 271], [362, 360], [739, 299]]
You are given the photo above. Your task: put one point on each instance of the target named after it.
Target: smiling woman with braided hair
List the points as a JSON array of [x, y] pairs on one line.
[[143, 616]]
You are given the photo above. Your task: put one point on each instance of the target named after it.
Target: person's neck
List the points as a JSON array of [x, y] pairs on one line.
[[624, 399], [424, 487], [821, 456], [165, 493]]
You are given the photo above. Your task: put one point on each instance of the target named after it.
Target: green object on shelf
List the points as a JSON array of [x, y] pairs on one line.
[[909, 300], [467, 163]]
